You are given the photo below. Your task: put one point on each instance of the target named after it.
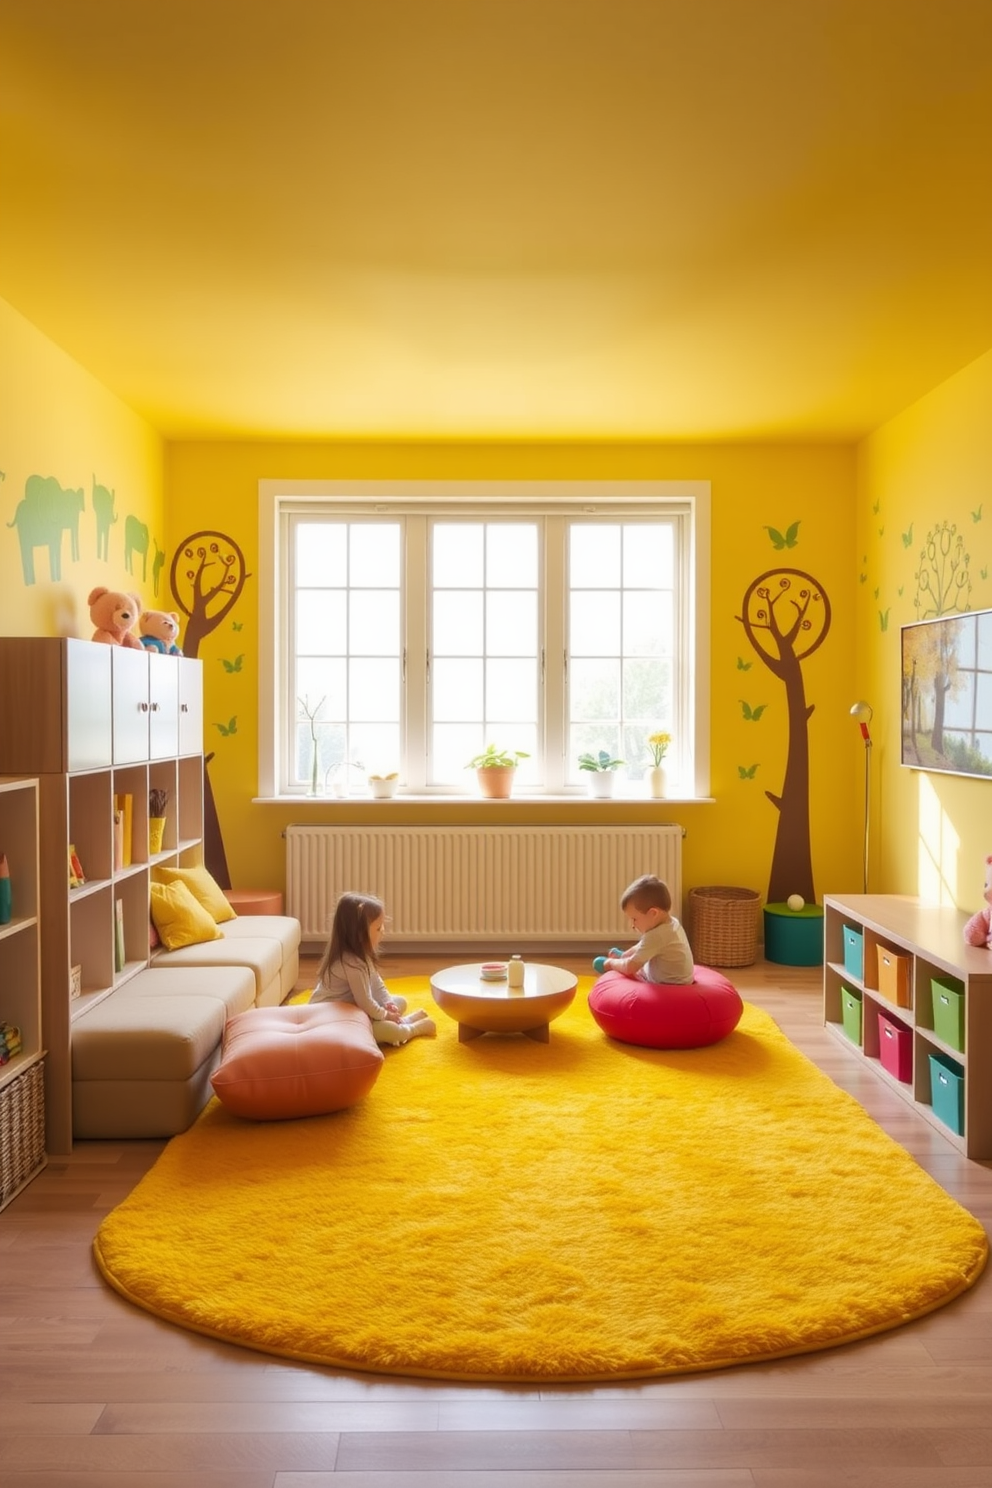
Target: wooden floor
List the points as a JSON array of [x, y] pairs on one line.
[[96, 1394]]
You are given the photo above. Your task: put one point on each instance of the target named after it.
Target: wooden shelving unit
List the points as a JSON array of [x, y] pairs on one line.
[[22, 1115], [925, 942], [98, 722]]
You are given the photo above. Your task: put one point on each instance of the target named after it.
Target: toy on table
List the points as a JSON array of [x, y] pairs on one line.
[[158, 630], [599, 963], [978, 930], [114, 614]]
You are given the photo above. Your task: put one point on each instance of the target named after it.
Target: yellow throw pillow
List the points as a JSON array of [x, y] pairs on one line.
[[204, 888], [179, 919]]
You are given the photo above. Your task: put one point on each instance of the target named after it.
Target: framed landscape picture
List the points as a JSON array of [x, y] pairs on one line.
[[947, 694]]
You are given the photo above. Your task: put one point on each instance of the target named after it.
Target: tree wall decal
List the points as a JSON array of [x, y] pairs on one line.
[[207, 577], [786, 616]]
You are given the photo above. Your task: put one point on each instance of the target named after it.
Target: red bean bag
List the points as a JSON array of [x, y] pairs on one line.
[[663, 1016]]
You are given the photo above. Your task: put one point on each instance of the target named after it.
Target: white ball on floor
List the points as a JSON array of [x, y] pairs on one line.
[[796, 902]]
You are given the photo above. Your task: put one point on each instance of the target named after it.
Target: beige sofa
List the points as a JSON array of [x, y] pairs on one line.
[[142, 1058]]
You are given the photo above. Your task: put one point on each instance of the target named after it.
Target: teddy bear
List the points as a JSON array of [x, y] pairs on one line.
[[978, 930], [114, 614], [158, 630]]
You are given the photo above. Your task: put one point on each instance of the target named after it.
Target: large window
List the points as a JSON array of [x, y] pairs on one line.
[[404, 628]]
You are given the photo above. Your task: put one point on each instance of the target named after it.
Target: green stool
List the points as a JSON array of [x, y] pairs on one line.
[[794, 937]]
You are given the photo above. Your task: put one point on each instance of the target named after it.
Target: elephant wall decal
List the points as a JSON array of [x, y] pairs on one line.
[[136, 541], [103, 510], [46, 512]]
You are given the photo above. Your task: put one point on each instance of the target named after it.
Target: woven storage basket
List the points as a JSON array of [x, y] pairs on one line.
[[724, 926], [22, 1130]]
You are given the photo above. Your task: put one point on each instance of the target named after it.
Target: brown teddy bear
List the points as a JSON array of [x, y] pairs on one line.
[[978, 930], [114, 614], [158, 630]]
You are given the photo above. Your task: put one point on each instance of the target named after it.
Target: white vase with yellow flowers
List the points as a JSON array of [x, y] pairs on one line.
[[657, 777]]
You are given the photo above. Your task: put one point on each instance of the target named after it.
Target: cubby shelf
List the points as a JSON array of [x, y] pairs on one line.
[[93, 723], [22, 1135], [914, 945]]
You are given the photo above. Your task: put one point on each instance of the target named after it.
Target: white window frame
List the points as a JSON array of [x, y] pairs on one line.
[[583, 500]]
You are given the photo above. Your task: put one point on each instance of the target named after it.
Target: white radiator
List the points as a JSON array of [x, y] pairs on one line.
[[527, 886]]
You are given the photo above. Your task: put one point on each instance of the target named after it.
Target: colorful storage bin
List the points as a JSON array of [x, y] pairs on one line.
[[948, 1010], [895, 1048], [854, 953], [850, 1012], [893, 976], [947, 1092]]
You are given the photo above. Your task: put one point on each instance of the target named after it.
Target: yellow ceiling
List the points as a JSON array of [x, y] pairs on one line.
[[502, 218]]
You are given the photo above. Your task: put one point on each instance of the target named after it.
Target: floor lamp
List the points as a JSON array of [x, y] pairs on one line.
[[862, 711]]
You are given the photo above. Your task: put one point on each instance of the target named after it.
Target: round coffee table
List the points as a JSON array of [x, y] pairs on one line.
[[479, 1006]]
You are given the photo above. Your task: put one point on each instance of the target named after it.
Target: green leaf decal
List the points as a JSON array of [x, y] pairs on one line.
[[751, 715], [746, 772]]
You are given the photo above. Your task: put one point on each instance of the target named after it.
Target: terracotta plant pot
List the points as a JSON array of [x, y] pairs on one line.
[[496, 782]]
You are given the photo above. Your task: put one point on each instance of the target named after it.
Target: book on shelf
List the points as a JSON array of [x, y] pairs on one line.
[[118, 841], [124, 804], [76, 875], [118, 935]]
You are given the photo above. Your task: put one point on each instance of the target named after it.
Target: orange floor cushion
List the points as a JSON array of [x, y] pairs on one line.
[[663, 1016], [303, 1060]]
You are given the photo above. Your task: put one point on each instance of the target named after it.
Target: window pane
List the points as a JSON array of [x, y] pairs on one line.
[[458, 623], [322, 679], [457, 689], [377, 746], [594, 555], [647, 623], [374, 689], [375, 555], [648, 556], [453, 745], [321, 629], [375, 622], [511, 555], [511, 690], [595, 624], [595, 690], [647, 690], [322, 553], [457, 550], [511, 624]]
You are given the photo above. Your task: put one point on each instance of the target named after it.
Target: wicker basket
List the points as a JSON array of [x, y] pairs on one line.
[[22, 1130], [723, 926]]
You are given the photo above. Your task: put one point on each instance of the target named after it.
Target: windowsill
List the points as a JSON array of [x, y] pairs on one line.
[[582, 802]]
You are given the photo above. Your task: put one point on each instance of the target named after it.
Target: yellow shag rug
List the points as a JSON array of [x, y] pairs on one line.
[[578, 1210]]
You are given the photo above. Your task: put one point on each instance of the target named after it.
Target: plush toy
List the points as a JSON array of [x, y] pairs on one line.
[[978, 930], [114, 614], [158, 630]]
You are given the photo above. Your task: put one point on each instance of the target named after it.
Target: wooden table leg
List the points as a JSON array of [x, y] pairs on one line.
[[466, 1033], [542, 1034]]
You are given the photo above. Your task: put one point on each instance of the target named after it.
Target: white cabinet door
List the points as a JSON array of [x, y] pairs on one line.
[[163, 706], [87, 694], [130, 706], [190, 706]]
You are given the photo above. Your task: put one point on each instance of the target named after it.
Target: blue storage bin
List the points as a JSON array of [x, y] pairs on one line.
[[947, 1092], [854, 953]]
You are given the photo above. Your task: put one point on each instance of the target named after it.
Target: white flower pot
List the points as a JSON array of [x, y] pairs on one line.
[[600, 783]]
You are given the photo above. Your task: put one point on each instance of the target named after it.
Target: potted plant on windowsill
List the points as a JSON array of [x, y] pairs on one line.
[[602, 768], [494, 769]]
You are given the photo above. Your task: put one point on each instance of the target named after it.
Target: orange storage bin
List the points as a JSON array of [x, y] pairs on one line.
[[893, 976]]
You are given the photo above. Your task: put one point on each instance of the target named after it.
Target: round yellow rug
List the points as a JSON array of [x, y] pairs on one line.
[[578, 1210]]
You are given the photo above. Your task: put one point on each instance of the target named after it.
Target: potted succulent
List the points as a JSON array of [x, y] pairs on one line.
[[494, 770], [601, 767]]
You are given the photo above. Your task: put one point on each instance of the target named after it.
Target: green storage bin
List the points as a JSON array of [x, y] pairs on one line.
[[947, 1092], [850, 1012], [948, 1010]]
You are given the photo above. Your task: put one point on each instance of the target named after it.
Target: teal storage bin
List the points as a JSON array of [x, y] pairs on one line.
[[947, 1092], [850, 1012], [854, 953], [948, 1010]]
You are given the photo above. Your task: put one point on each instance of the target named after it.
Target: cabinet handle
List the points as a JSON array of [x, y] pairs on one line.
[[184, 707], [142, 707], [154, 707]]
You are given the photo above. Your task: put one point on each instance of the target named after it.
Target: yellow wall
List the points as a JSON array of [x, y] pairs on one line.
[[213, 487], [57, 421], [930, 466]]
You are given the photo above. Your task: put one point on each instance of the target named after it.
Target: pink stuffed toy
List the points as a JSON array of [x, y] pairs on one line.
[[114, 614], [978, 930]]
